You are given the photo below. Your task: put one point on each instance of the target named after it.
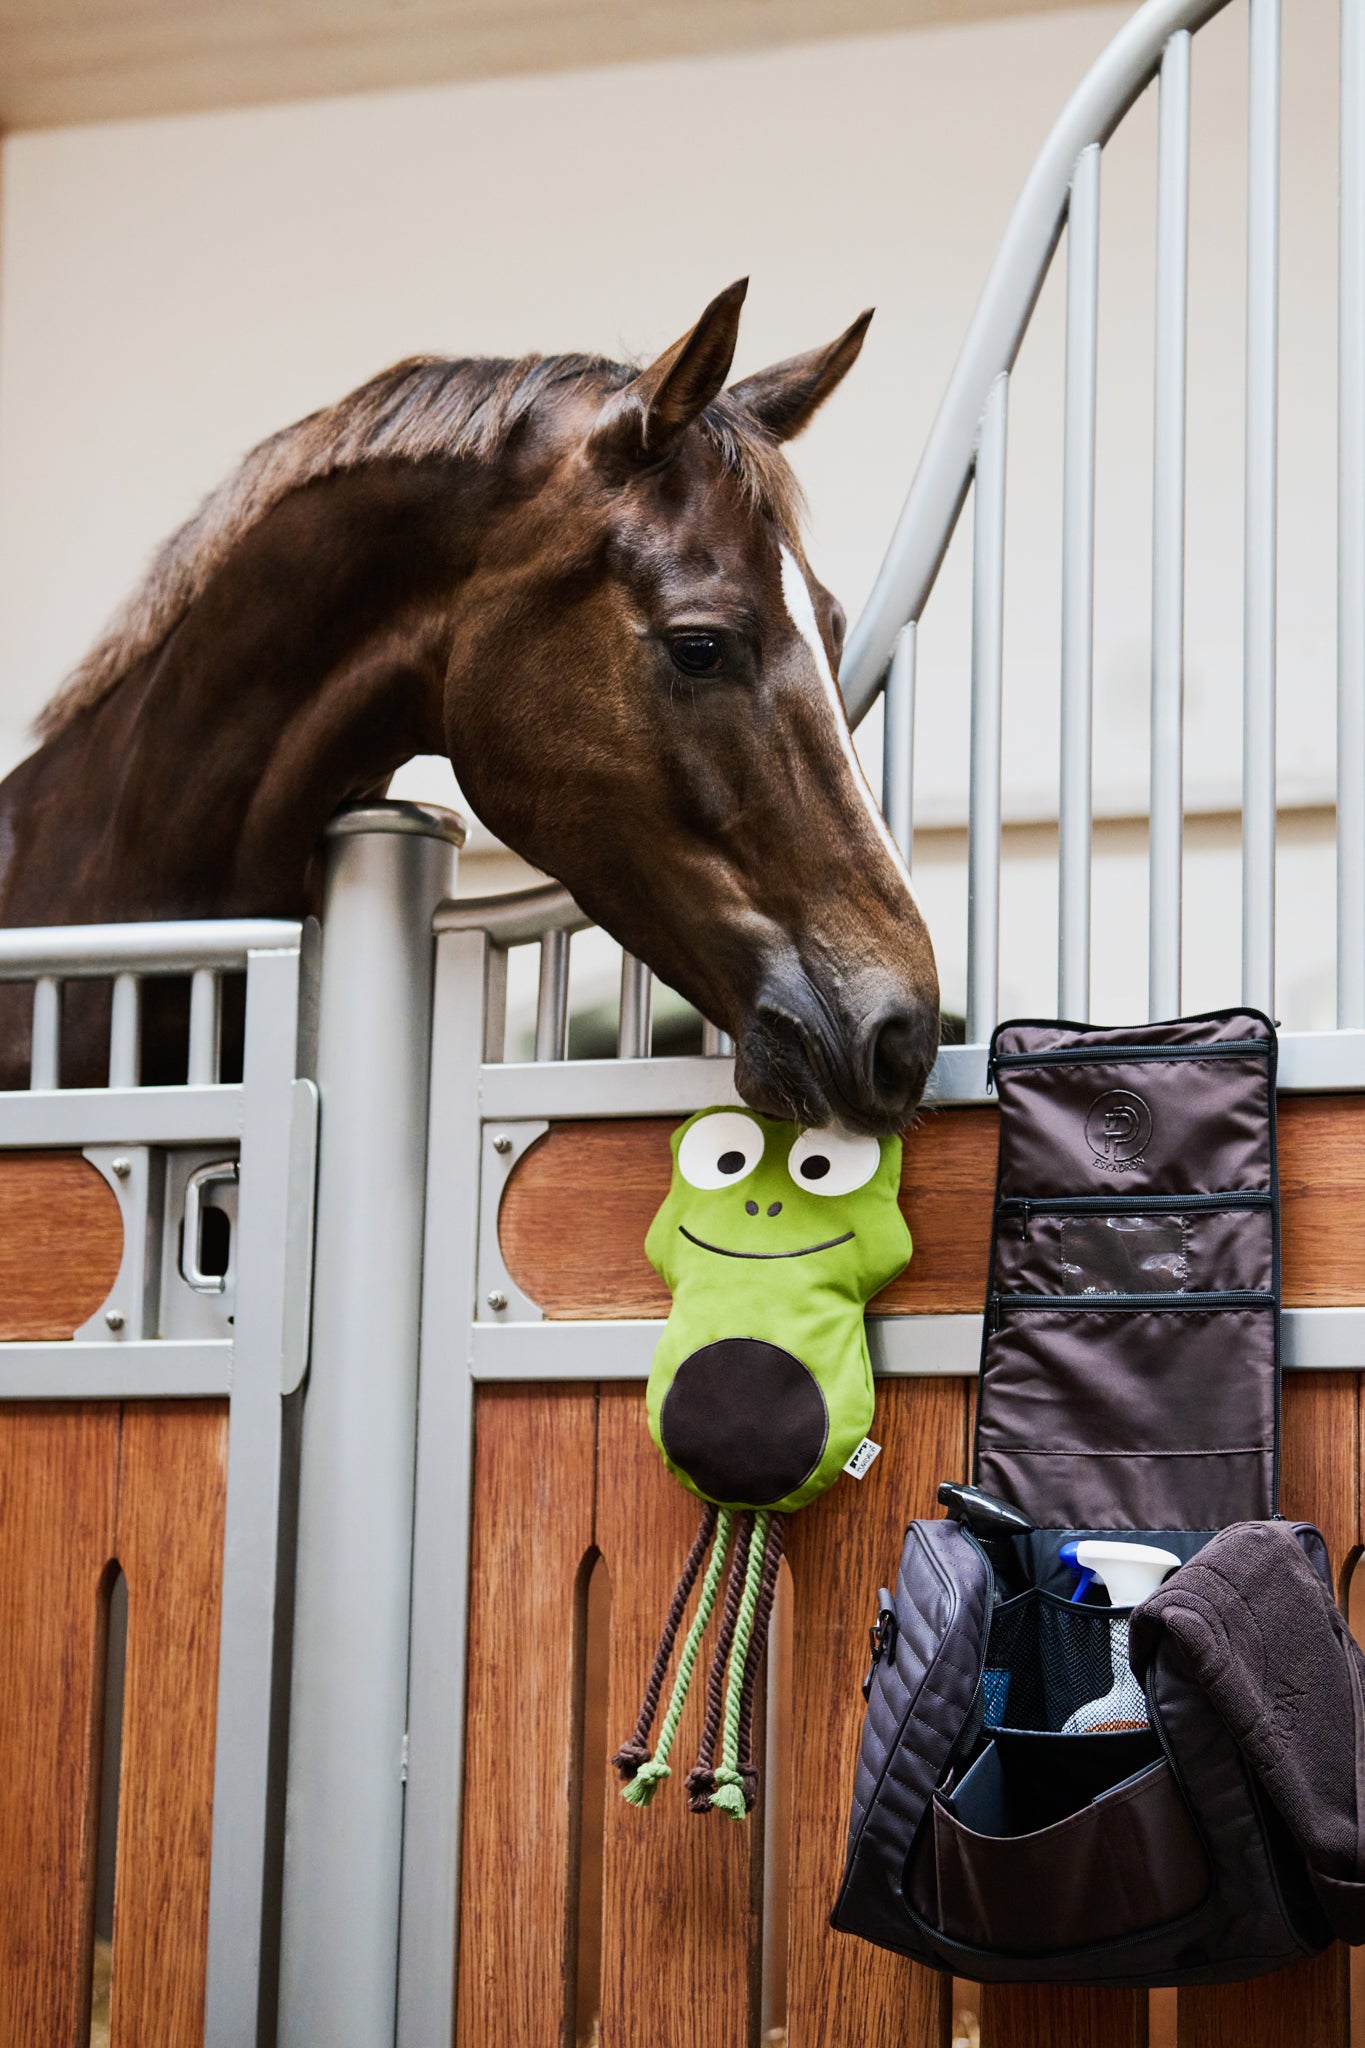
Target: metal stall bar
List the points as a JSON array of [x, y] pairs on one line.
[[1351, 528], [988, 630], [552, 1000], [898, 744], [1259, 573], [1078, 588], [124, 1047], [274, 1262], [204, 1028], [432, 1837], [637, 1002], [1168, 530], [390, 865], [45, 1057]]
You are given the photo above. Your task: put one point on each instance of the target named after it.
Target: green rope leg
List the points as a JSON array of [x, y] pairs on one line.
[[644, 1784], [728, 1796]]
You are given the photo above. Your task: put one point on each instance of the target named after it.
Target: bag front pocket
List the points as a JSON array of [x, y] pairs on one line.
[[1069, 1385], [1127, 1861], [1094, 1245]]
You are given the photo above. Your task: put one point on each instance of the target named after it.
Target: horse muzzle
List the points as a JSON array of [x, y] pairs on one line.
[[866, 1068]]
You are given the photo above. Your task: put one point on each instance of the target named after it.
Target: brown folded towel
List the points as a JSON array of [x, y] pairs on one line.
[[1264, 1640]]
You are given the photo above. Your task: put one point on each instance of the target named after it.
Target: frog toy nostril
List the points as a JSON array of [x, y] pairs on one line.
[[774, 1208], [751, 1208]]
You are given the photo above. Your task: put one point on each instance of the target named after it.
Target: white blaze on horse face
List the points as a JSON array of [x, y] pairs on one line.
[[801, 610]]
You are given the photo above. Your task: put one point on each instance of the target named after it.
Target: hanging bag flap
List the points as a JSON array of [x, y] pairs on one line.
[[1130, 1361], [1262, 1637]]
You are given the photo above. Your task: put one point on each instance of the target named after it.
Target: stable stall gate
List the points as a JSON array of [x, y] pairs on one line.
[[144, 1427]]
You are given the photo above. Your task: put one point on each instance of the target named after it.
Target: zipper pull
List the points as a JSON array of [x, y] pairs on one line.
[[1026, 1210], [992, 1068], [995, 1314]]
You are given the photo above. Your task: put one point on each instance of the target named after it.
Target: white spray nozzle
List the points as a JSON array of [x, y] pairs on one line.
[[1129, 1571]]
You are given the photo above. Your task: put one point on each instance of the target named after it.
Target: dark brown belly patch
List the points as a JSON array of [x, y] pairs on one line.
[[745, 1420]]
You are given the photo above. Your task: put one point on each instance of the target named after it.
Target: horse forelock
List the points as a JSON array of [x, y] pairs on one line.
[[424, 407]]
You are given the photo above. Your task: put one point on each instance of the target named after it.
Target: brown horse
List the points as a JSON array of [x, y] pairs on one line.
[[583, 582]]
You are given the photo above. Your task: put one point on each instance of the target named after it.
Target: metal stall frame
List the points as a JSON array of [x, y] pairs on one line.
[[269, 1120]]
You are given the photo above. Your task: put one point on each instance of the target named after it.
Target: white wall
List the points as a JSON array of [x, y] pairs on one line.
[[171, 290]]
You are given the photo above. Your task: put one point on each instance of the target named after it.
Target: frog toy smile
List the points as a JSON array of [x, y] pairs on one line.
[[772, 1240]]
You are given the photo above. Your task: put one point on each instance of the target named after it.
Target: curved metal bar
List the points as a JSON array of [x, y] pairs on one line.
[[925, 527], [513, 920]]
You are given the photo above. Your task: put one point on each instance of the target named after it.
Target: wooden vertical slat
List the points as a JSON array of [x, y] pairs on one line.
[[1319, 1482], [841, 1549], [169, 1540], [679, 1908], [1049, 2015], [58, 1468], [533, 1527]]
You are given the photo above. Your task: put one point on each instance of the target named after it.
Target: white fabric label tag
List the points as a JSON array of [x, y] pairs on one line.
[[860, 1464]]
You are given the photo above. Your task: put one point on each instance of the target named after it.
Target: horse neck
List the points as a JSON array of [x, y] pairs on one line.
[[305, 674]]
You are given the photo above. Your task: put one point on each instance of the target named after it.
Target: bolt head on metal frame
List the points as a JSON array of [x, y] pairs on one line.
[[502, 1143], [497, 1299], [122, 1167], [114, 1318]]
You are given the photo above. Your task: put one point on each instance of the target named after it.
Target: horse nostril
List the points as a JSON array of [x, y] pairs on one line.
[[774, 1208], [903, 1049]]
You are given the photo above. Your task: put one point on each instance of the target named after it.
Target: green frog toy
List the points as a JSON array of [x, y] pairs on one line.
[[772, 1240]]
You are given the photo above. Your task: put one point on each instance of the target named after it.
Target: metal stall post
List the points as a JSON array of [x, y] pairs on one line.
[[389, 866]]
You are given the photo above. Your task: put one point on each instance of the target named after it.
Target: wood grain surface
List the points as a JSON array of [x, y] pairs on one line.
[[680, 1923], [172, 1494], [576, 1209], [840, 1549], [61, 1243], [533, 1528], [83, 1485], [1062, 2016], [58, 1477]]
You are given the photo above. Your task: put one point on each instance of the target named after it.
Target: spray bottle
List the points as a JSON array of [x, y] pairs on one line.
[[1129, 1572]]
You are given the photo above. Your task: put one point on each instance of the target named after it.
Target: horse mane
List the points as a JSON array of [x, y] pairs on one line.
[[423, 407]]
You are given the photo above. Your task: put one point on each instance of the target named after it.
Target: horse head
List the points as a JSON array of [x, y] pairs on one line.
[[641, 700]]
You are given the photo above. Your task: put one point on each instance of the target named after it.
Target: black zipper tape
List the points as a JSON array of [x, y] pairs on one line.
[[1128, 1304], [1124, 1055]]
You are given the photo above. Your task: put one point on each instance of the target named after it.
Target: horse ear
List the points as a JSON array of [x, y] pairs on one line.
[[785, 398], [643, 421]]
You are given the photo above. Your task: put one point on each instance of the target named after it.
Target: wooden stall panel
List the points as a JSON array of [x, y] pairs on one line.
[[58, 1473], [533, 1527], [61, 1244], [679, 1892], [840, 1550], [575, 1212], [169, 1537]]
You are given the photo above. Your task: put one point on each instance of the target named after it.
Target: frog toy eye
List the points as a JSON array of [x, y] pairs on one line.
[[833, 1162], [720, 1150]]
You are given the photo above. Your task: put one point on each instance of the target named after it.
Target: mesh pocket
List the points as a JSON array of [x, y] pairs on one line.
[[1049, 1659]]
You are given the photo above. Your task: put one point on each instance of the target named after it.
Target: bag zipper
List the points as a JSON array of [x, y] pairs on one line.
[[1110, 1055], [1129, 1304], [1129, 1205]]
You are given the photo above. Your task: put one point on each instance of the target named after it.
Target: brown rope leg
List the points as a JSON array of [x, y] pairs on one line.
[[632, 1754], [767, 1589], [699, 1781]]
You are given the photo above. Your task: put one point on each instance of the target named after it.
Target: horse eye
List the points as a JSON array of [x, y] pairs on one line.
[[697, 654]]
